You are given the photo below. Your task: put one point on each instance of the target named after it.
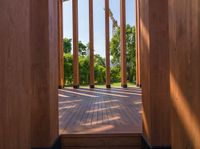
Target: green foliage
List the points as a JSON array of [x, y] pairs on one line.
[[68, 68], [67, 45], [84, 67], [130, 48], [82, 48], [99, 69], [99, 62], [115, 74]]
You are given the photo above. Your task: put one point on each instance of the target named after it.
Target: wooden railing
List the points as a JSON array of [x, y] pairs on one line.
[[91, 43]]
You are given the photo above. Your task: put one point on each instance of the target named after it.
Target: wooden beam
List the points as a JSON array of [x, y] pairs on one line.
[[138, 71], [123, 42], [107, 43], [154, 48], [75, 44], [60, 46], [91, 42]]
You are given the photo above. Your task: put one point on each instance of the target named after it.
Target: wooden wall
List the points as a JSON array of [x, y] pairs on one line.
[[154, 46], [185, 73], [44, 72], [28, 74], [15, 81]]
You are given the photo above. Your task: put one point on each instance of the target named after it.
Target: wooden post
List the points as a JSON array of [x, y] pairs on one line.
[[138, 72], [123, 42], [107, 34], [154, 50], [75, 44], [60, 46], [44, 73], [91, 46]]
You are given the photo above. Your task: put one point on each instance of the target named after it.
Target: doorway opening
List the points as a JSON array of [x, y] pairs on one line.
[[108, 105]]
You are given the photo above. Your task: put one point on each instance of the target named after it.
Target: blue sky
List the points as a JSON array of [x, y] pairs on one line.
[[99, 20]]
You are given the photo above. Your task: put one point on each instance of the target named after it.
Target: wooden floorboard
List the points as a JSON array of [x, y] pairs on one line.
[[100, 111]]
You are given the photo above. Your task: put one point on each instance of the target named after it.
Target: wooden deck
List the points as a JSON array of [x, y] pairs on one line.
[[100, 111]]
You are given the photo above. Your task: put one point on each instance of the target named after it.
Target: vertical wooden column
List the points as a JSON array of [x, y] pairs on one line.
[[91, 42], [75, 44], [44, 73], [107, 43], [184, 30], [60, 45], [154, 48], [15, 75], [138, 78], [123, 42]]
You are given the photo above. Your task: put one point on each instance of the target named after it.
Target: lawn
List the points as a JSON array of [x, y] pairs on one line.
[[113, 85]]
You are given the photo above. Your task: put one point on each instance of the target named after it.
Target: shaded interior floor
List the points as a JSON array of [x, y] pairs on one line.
[[100, 111]]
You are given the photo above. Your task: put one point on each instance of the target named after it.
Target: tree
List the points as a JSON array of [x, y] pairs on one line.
[[82, 48], [68, 68], [99, 69], [84, 67], [130, 45], [67, 45], [115, 74]]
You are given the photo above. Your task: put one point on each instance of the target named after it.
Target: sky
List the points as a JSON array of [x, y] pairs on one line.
[[99, 20]]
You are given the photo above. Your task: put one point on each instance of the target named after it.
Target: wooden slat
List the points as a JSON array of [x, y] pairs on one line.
[[107, 42], [91, 42], [60, 45], [123, 42], [75, 44]]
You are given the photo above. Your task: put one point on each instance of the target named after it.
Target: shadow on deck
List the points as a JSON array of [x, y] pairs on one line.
[[99, 113]]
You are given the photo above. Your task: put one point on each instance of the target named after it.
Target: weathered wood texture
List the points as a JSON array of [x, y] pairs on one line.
[[185, 73], [60, 45], [44, 72], [154, 39], [15, 81], [100, 111]]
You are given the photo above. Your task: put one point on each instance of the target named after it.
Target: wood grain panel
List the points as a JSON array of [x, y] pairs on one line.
[[15, 81], [154, 38], [185, 73], [44, 73]]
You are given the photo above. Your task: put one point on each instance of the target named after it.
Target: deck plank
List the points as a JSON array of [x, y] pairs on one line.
[[100, 111]]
